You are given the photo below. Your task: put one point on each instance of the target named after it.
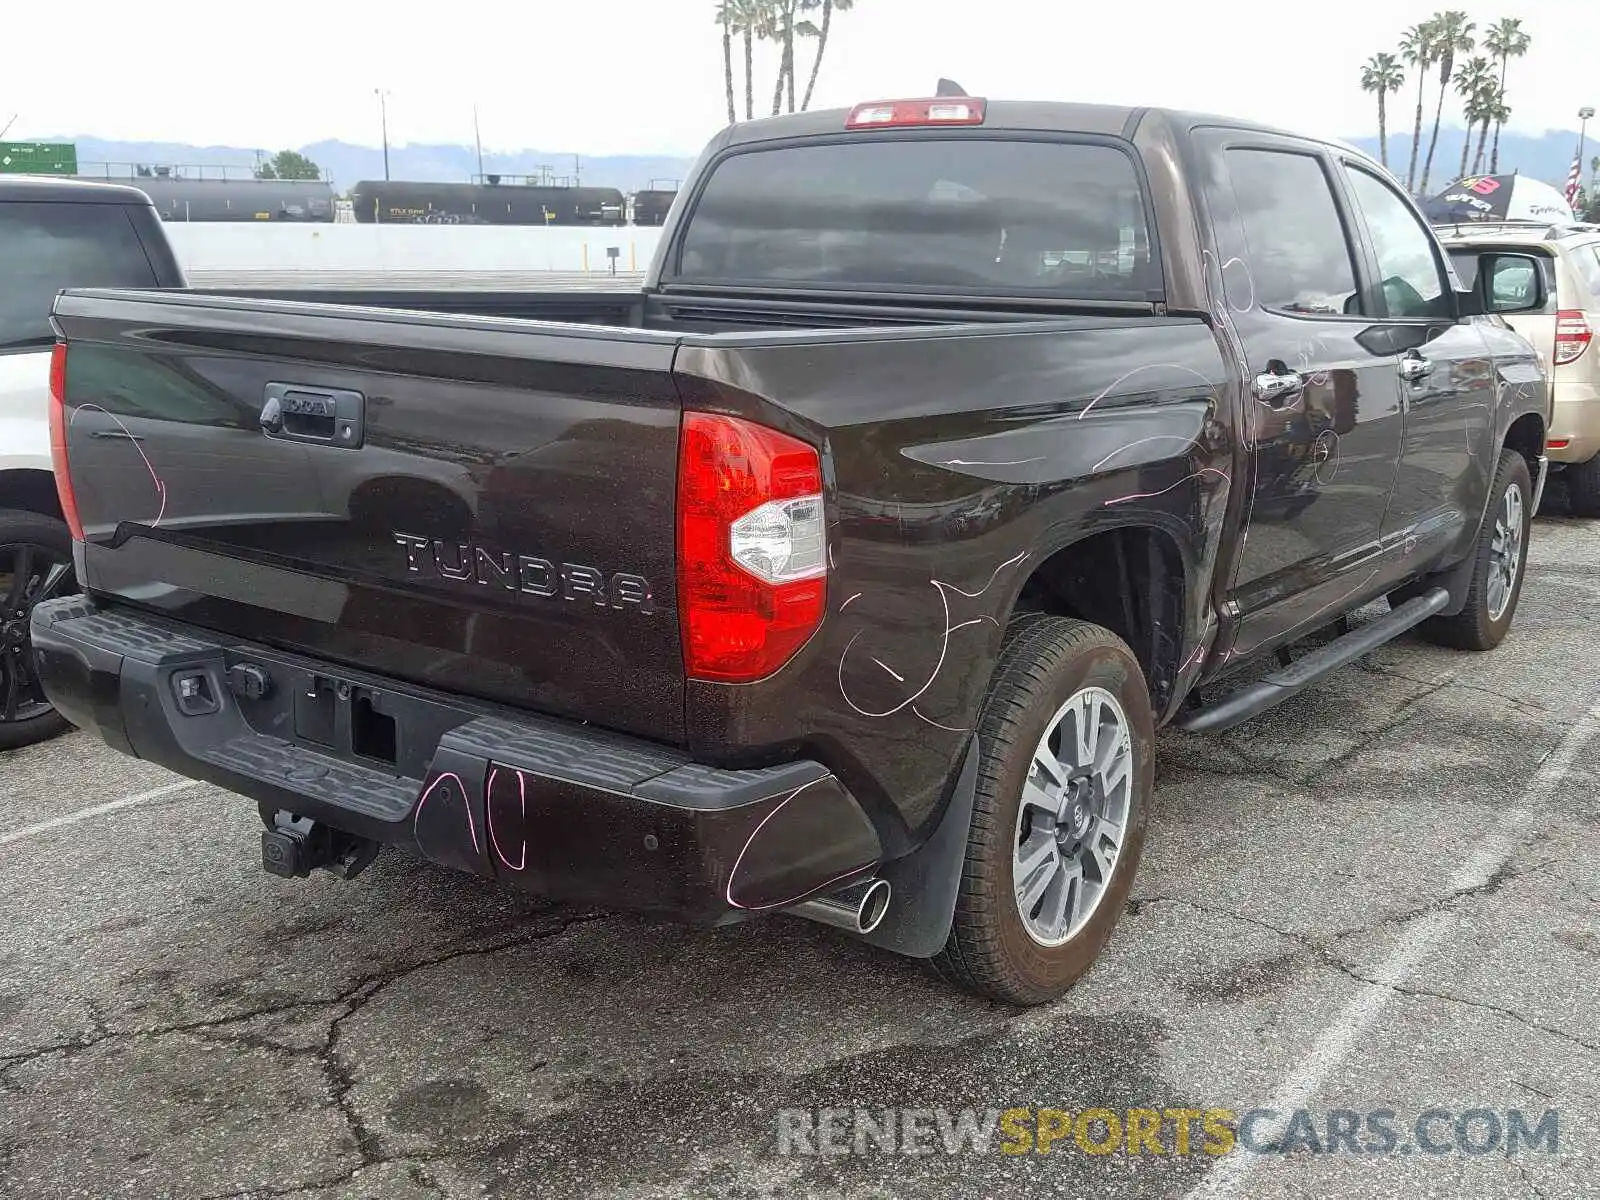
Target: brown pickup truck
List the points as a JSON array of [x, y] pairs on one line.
[[849, 568]]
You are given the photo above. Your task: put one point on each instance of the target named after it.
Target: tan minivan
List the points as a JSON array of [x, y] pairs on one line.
[[1562, 334]]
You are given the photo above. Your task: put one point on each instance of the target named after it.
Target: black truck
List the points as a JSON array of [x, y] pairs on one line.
[[846, 570]]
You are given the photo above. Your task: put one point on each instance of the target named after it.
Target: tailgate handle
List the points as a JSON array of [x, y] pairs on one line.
[[329, 416]]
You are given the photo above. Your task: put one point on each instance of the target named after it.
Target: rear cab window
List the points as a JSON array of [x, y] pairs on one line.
[[48, 246], [997, 216]]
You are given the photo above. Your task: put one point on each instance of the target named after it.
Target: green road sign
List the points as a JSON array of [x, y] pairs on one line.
[[38, 158]]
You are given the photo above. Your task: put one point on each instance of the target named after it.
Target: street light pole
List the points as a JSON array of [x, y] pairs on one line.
[[477, 140], [1575, 176], [383, 117], [1584, 114]]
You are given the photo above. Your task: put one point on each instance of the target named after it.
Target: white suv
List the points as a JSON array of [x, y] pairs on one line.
[[1570, 256], [54, 234]]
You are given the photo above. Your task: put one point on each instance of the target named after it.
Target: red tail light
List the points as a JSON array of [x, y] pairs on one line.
[[58, 440], [752, 547], [1573, 336], [897, 114]]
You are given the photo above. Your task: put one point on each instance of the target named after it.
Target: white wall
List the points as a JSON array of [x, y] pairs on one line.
[[219, 246]]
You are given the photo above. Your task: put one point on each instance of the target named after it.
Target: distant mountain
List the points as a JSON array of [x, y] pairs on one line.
[[345, 163], [1547, 157]]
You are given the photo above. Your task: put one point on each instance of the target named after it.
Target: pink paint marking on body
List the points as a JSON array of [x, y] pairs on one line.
[[943, 590], [1160, 437], [1127, 375], [750, 841], [488, 803], [472, 826], [161, 488], [947, 728], [1223, 475]]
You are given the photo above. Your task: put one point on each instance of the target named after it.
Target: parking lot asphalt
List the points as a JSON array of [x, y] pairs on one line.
[[1384, 895]]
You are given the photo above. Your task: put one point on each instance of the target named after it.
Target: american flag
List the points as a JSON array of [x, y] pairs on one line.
[[1573, 177]]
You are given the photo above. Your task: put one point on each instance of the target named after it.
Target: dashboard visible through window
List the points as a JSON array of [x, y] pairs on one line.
[[1413, 285]]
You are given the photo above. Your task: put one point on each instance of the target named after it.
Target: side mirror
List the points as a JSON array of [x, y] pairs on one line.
[[1506, 284]]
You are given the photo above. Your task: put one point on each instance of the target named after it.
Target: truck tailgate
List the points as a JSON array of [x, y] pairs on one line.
[[480, 505]]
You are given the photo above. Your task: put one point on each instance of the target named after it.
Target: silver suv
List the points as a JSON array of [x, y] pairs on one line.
[[1569, 255]]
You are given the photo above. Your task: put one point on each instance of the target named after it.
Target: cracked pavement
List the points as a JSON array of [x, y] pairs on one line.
[[175, 1023]]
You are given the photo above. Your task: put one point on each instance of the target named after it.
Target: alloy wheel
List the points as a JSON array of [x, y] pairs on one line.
[[1073, 817], [29, 574], [1505, 552]]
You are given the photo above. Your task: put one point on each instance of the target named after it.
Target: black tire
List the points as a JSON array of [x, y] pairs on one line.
[[1474, 627], [1044, 661], [18, 528], [1583, 487]]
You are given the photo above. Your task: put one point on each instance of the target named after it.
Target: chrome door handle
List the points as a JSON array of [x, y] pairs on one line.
[[1414, 368], [1274, 387]]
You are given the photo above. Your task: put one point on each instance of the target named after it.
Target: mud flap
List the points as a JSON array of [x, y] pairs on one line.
[[925, 882]]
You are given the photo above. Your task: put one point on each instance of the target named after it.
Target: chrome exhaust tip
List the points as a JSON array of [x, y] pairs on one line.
[[859, 908]]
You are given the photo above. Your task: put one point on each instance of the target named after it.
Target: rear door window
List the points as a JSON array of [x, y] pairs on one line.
[[47, 247], [1300, 259], [923, 214]]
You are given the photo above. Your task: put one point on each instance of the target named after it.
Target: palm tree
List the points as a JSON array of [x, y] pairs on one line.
[[725, 19], [829, 7], [1417, 48], [746, 18], [778, 26], [1495, 112], [782, 25], [1504, 42], [1452, 36], [1476, 86], [1383, 74]]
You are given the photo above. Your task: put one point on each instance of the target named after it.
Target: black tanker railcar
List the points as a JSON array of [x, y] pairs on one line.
[[404, 203], [178, 199], [650, 207]]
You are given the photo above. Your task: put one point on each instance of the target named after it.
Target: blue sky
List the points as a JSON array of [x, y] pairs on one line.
[[645, 76]]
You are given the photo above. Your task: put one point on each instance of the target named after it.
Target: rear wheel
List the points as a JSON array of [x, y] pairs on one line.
[[35, 565], [1058, 822], [1499, 559], [1583, 487]]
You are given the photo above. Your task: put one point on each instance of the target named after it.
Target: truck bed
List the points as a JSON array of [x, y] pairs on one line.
[[489, 294], [503, 526], [247, 281]]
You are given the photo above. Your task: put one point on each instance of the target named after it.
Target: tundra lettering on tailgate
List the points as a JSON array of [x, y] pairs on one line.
[[529, 574]]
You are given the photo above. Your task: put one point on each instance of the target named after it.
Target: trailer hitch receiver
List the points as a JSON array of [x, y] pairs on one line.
[[293, 847]]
